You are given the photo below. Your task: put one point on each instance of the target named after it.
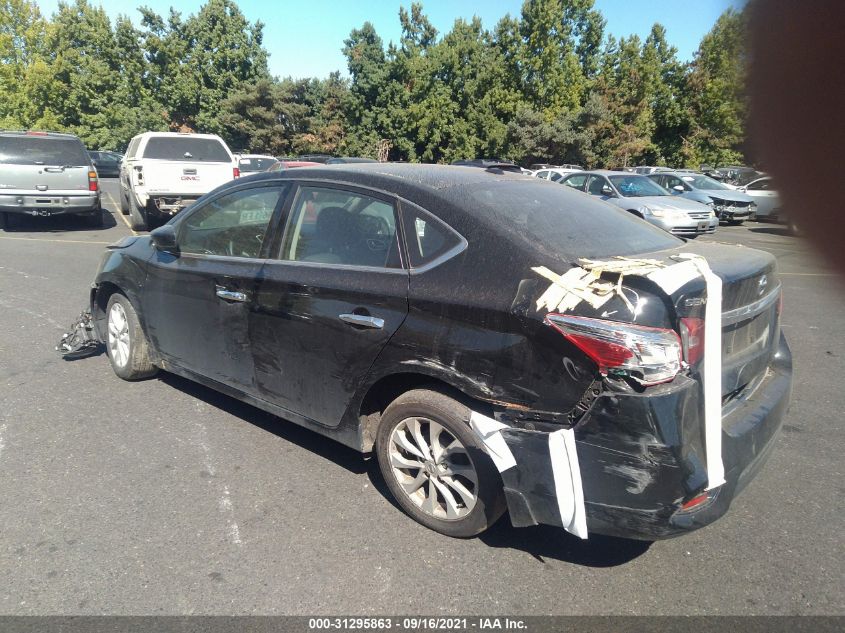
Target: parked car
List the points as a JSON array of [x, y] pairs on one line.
[[567, 166], [765, 197], [251, 163], [737, 175], [394, 308], [47, 173], [313, 158], [106, 163], [643, 197], [343, 160], [731, 206], [554, 174], [164, 172], [643, 169]]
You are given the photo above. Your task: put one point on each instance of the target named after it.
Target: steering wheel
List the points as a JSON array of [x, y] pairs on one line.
[[375, 232]]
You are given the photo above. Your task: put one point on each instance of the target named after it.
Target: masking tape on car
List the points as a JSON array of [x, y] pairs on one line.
[[567, 476], [488, 430], [712, 371]]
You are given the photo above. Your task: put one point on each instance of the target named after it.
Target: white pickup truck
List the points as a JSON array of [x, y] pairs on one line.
[[163, 172]]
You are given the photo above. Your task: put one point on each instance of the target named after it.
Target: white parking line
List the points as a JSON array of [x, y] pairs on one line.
[[118, 212], [44, 239]]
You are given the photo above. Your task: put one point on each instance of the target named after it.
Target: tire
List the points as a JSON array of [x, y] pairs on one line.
[[124, 205], [137, 215], [126, 345], [3, 221], [458, 463]]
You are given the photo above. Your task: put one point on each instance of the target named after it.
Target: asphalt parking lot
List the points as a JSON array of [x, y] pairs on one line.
[[163, 497]]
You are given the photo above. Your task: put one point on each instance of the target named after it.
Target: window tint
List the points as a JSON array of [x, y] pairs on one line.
[[595, 185], [760, 185], [133, 147], [543, 174], [555, 176], [558, 222], [232, 225], [186, 148], [255, 163], [671, 181], [427, 237], [333, 226], [42, 150], [576, 182]]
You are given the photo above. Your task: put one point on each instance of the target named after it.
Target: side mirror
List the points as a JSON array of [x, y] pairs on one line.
[[678, 188], [607, 191], [164, 239]]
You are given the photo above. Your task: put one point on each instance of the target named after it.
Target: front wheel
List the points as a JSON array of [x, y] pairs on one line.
[[128, 350], [435, 466]]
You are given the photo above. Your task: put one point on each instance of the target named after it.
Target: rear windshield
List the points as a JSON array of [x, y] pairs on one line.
[[188, 149], [261, 163], [565, 223], [42, 150]]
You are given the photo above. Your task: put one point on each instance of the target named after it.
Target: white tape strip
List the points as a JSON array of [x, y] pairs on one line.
[[712, 372], [568, 488], [488, 430]]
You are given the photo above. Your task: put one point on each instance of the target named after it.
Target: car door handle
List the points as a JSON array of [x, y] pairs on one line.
[[230, 295], [362, 320]]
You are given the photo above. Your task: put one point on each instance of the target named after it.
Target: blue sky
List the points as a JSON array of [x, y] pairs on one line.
[[304, 38]]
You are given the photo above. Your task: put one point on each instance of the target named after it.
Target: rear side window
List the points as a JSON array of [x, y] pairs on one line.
[[562, 223], [133, 147], [426, 237], [42, 150], [187, 149]]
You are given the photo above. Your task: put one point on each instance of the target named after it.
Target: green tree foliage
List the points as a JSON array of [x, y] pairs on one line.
[[546, 85]]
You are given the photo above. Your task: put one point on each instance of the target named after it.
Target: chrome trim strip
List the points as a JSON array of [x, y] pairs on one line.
[[745, 312]]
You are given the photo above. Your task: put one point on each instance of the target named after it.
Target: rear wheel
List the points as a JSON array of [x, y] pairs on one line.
[[124, 205], [128, 350], [435, 466], [137, 215]]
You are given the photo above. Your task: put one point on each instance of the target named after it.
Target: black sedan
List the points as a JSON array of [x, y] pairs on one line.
[[107, 164], [500, 342]]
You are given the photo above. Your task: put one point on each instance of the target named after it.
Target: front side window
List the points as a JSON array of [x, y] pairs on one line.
[[576, 182], [760, 185], [335, 226], [596, 185], [232, 225], [673, 181]]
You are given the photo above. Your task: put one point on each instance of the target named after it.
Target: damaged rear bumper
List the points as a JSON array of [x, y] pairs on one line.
[[642, 457]]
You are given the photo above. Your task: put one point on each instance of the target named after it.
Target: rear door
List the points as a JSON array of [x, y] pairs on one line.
[[329, 300], [197, 303]]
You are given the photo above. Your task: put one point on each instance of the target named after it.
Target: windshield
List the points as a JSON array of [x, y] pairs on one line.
[[42, 150], [564, 223], [637, 186], [704, 182], [255, 163], [187, 149]]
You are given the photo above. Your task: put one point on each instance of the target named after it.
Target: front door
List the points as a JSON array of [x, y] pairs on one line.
[[329, 301], [198, 301]]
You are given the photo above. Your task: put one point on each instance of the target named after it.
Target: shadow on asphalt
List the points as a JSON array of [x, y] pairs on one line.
[[326, 448], [773, 230], [542, 542], [55, 224]]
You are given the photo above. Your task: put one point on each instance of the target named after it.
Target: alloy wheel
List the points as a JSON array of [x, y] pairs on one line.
[[433, 468], [118, 327]]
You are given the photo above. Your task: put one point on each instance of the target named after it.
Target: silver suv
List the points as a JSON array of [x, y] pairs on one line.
[[47, 173]]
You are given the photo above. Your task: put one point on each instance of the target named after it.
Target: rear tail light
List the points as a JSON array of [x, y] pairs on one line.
[[695, 502], [648, 355], [236, 173], [92, 181], [692, 337]]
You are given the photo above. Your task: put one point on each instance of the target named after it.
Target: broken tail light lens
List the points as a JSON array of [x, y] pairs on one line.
[[646, 354], [692, 337], [92, 181]]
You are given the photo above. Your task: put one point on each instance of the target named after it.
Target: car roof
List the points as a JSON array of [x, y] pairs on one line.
[[37, 134], [177, 135]]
